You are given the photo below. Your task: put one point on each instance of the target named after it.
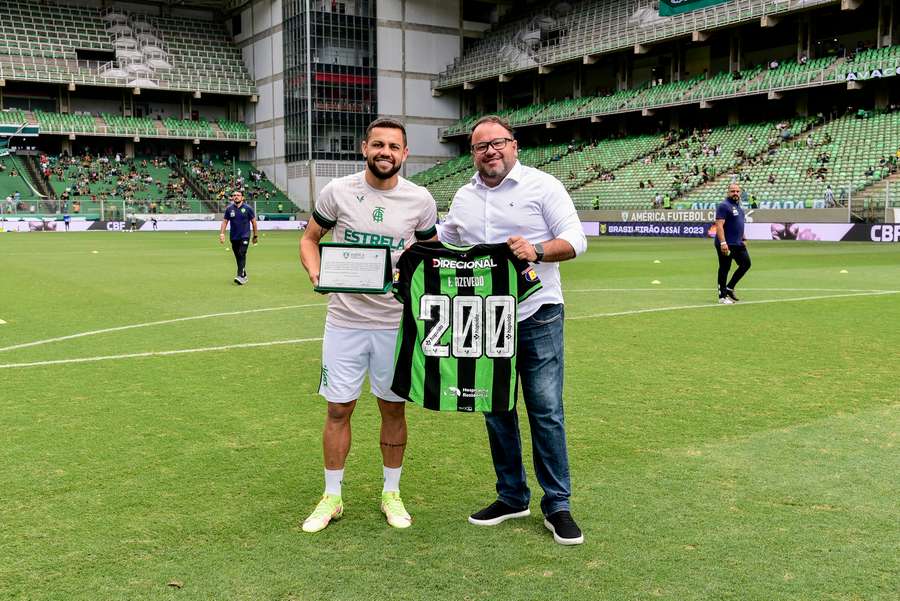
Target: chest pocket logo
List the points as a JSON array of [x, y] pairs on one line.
[[734, 212], [232, 213]]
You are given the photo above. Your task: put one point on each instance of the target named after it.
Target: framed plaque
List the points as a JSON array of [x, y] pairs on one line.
[[356, 268]]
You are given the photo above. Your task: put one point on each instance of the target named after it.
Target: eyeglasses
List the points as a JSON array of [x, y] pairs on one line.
[[496, 144]]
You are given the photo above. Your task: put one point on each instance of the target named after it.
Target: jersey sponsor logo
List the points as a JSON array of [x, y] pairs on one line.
[[324, 375], [370, 238], [360, 197], [232, 213], [453, 264], [465, 281], [469, 395], [530, 275]]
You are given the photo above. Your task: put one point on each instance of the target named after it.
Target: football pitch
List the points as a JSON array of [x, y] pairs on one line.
[[161, 433]]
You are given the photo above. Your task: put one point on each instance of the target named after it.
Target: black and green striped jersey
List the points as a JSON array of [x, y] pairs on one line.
[[456, 350]]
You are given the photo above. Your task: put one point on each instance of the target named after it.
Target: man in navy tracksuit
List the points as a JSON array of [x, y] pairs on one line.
[[730, 243], [241, 217]]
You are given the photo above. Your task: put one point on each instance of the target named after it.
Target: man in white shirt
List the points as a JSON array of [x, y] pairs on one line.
[[375, 206], [531, 212]]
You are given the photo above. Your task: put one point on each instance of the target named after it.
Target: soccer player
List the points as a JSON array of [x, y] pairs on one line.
[[241, 217], [731, 244], [375, 206], [530, 211]]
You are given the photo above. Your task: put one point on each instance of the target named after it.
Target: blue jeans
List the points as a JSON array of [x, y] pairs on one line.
[[539, 361]]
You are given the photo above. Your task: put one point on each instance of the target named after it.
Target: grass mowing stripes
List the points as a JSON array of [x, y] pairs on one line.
[[744, 452]]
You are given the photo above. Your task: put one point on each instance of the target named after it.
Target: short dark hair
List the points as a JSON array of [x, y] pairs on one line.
[[493, 119], [388, 123]]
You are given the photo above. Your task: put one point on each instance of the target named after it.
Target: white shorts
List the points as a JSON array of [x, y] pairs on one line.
[[346, 356]]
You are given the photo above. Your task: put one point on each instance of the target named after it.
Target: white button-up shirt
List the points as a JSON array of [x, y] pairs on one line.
[[528, 203]]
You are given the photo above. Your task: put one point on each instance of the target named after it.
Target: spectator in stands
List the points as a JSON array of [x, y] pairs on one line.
[[829, 196], [809, 141], [773, 64], [771, 178]]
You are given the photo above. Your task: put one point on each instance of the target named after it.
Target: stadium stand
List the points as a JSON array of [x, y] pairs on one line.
[[64, 123], [595, 27], [885, 59], [217, 178], [12, 117], [757, 79], [849, 154], [118, 125], [41, 42], [13, 181], [694, 167]]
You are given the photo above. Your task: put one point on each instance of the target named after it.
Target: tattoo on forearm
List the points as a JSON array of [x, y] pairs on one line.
[[393, 445]]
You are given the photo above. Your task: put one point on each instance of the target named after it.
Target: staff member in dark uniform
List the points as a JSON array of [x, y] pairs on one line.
[[731, 244], [241, 217]]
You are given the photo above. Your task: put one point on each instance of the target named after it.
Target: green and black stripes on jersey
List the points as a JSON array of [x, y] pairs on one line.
[[456, 350]]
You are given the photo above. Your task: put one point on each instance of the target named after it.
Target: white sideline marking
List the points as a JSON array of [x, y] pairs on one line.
[[715, 305], [713, 288], [152, 323], [302, 340], [160, 353]]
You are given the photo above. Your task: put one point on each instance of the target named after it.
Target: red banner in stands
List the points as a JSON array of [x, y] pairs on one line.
[[360, 80]]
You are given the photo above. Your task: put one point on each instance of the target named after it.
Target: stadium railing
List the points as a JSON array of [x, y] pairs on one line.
[[722, 85], [117, 209]]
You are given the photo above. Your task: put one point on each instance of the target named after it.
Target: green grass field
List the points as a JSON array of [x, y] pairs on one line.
[[742, 452]]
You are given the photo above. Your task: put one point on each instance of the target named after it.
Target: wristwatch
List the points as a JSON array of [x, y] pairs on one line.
[[539, 251]]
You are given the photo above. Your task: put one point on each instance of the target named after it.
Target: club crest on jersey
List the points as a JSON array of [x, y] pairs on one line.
[[454, 264], [530, 275], [378, 214]]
